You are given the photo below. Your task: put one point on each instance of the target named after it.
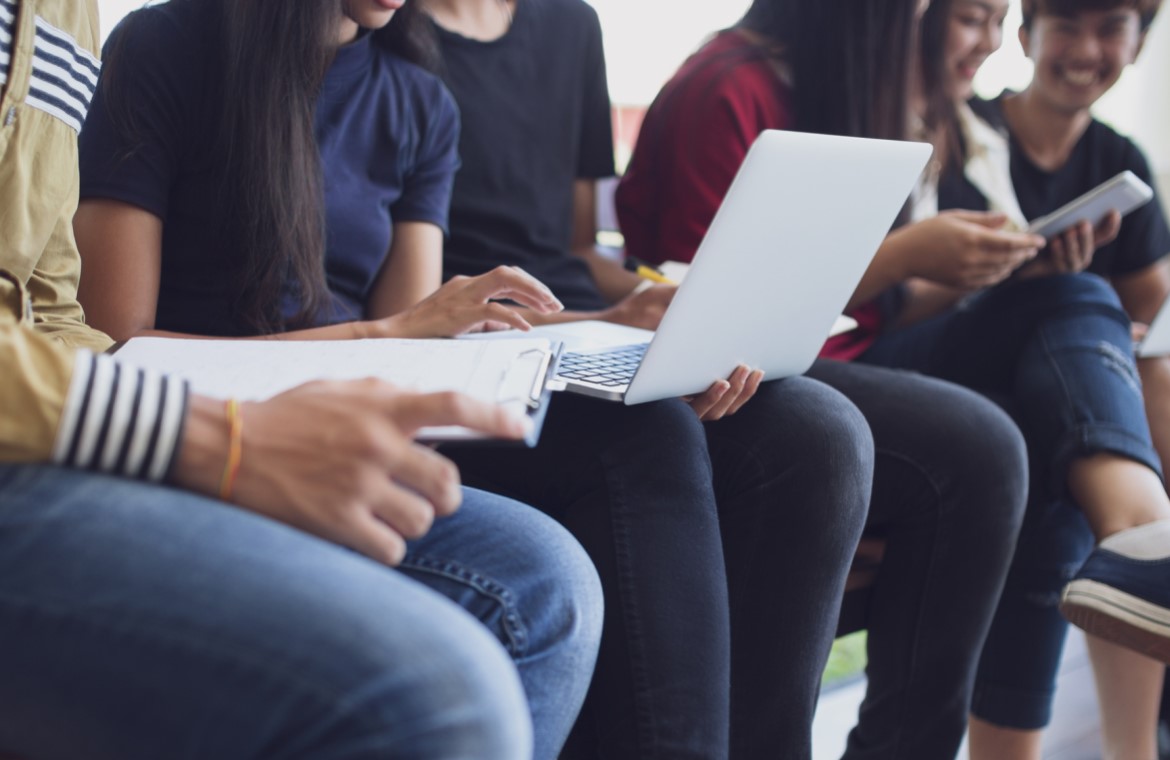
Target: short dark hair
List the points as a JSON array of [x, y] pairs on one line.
[[1146, 9]]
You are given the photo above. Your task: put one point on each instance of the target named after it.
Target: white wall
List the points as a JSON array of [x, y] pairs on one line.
[[646, 40], [112, 11]]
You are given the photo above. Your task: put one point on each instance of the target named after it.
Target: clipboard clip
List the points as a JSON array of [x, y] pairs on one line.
[[542, 378]]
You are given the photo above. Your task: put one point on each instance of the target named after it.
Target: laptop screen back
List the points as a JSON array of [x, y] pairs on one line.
[[791, 240]]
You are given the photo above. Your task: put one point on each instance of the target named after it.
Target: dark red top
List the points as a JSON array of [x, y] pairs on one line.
[[693, 139]]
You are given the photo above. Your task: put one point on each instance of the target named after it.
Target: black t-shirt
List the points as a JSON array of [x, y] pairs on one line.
[[1099, 155], [536, 117], [386, 131]]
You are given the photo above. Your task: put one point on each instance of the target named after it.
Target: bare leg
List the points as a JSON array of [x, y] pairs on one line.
[[987, 741], [1120, 593], [1117, 493], [1129, 688]]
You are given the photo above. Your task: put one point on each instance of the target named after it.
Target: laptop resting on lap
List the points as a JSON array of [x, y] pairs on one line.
[[791, 240]]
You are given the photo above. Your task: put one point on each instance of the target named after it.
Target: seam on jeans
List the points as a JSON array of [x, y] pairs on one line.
[[514, 629], [738, 711], [1042, 336], [646, 721], [931, 576], [1058, 480], [165, 638]]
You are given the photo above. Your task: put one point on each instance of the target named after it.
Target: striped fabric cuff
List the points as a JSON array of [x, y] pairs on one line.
[[120, 419], [7, 25], [64, 75]]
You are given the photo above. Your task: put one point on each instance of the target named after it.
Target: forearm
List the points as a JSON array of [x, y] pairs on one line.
[[340, 331], [887, 269], [923, 299], [535, 318], [203, 452], [611, 278]]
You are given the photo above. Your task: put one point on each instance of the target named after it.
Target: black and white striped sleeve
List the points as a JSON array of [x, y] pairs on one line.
[[120, 419]]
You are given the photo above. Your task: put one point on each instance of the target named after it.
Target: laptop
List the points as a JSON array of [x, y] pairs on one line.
[[794, 234]]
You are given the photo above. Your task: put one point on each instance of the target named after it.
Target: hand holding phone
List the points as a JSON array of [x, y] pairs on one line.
[[1122, 193]]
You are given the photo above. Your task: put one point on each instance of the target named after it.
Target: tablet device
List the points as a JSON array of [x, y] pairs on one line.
[[1125, 192]]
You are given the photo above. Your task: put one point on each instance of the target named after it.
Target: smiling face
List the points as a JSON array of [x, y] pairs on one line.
[[1081, 55], [974, 31]]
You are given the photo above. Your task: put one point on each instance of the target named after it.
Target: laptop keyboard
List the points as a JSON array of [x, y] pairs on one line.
[[612, 368]]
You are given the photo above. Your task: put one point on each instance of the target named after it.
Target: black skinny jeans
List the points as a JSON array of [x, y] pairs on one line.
[[646, 490], [950, 484]]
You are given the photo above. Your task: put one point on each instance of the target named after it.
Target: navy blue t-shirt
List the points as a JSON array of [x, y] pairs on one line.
[[387, 133], [536, 117], [1099, 155]]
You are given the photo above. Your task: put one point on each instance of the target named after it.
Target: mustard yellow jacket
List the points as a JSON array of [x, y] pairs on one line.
[[61, 400]]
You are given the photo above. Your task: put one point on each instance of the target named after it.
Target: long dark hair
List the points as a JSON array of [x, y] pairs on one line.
[[851, 61], [941, 118], [272, 58]]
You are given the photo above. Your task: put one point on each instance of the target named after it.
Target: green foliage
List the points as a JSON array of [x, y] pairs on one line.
[[846, 660]]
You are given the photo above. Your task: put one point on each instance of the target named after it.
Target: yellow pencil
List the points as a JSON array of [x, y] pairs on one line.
[[653, 275]]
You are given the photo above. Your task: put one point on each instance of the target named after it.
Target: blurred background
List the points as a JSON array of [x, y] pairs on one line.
[[639, 62]]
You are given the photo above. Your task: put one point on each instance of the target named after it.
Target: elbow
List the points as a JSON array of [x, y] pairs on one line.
[[120, 327]]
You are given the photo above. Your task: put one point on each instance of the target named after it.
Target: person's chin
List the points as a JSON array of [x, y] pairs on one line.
[[1071, 101], [372, 21]]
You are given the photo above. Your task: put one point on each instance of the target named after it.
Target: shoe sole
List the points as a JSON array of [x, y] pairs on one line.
[[1116, 616]]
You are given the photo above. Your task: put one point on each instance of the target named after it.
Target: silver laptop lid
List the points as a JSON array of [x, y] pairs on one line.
[[791, 240]]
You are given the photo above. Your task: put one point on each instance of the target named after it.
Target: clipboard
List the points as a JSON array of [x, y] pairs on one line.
[[514, 373], [528, 384]]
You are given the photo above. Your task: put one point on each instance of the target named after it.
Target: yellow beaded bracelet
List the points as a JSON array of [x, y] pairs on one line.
[[235, 449]]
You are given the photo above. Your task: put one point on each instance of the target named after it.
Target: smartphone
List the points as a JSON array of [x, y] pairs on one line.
[[1125, 192]]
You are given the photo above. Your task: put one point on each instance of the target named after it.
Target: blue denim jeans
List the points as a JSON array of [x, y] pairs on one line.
[[1058, 352], [138, 621]]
